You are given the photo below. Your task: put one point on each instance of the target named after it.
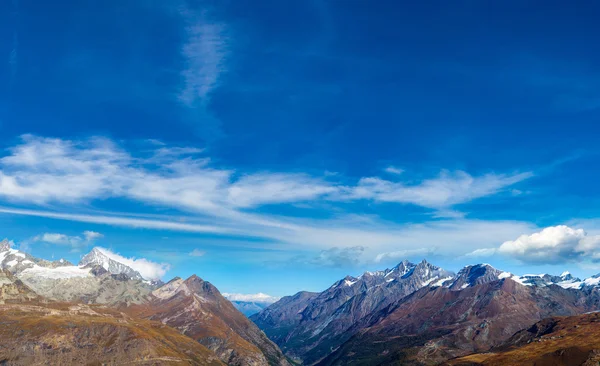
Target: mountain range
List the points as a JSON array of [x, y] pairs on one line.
[[103, 311], [419, 314]]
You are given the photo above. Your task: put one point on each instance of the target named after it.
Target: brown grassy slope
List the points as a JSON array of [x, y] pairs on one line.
[[72, 334], [198, 310], [559, 341]]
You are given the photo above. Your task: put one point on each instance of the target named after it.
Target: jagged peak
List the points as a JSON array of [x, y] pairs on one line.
[[5, 245], [476, 274]]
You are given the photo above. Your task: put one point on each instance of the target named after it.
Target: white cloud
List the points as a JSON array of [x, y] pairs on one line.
[[76, 174], [450, 188], [91, 235], [553, 245], [148, 269], [259, 189], [205, 52], [75, 241], [482, 253], [404, 254], [197, 253], [259, 297], [393, 170]]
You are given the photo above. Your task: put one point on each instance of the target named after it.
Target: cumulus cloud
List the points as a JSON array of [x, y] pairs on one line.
[[197, 253], [259, 297], [76, 242], [148, 269], [553, 245]]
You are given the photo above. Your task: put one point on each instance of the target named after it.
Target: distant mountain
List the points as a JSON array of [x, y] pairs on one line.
[[102, 258], [573, 340], [250, 304], [249, 308], [418, 313]]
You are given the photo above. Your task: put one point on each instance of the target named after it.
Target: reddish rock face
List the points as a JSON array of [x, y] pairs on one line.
[[198, 310]]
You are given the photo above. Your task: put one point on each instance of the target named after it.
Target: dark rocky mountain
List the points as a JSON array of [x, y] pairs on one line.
[[435, 324], [308, 326], [419, 314]]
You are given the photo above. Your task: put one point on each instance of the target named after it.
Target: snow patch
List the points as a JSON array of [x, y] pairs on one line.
[[504, 275], [441, 281], [58, 272]]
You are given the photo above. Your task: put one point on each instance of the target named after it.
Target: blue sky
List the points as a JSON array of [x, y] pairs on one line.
[[277, 146]]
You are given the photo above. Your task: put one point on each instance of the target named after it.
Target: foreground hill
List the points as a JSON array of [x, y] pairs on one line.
[[74, 334], [555, 341]]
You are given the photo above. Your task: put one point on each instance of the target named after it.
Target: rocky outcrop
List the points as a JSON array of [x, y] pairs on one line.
[[14, 290]]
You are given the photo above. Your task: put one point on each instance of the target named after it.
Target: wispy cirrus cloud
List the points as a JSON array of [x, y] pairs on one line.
[[444, 191], [77, 174], [204, 53]]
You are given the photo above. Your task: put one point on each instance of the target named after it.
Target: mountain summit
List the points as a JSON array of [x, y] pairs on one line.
[[101, 257]]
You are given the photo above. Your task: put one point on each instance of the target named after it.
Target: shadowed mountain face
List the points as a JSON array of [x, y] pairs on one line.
[[198, 310], [418, 314], [435, 324], [308, 326], [573, 340]]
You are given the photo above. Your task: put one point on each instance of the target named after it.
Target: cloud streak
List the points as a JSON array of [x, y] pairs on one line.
[[54, 174]]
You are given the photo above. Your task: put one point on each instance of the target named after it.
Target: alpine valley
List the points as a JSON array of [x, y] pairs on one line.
[[102, 311]]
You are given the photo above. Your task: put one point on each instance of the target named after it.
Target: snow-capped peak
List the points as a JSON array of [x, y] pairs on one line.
[[102, 258], [4, 245]]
